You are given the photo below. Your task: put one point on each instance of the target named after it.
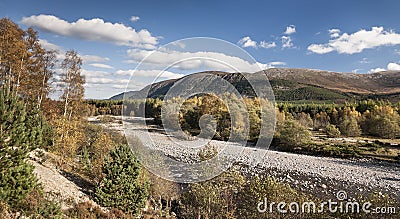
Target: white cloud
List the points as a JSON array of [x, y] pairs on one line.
[[267, 45], [178, 44], [393, 66], [89, 73], [276, 63], [291, 29], [374, 70], [98, 77], [247, 42], [364, 61], [93, 30], [194, 60], [86, 59], [100, 65], [356, 70], [150, 73], [287, 42], [60, 53], [132, 85], [49, 46], [108, 81], [119, 86], [358, 41], [334, 33], [94, 58], [96, 80], [320, 49], [135, 18]]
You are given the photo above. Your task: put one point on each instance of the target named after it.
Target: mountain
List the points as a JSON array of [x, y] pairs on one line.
[[385, 82], [292, 84]]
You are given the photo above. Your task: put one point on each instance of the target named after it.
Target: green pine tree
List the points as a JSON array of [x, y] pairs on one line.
[[121, 187], [20, 133]]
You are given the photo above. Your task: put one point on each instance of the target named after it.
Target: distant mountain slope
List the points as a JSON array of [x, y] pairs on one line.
[[381, 82], [291, 84]]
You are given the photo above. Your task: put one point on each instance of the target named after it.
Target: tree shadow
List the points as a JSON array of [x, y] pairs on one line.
[[84, 185]]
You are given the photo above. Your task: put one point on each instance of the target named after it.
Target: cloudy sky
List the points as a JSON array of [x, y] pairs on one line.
[[114, 36]]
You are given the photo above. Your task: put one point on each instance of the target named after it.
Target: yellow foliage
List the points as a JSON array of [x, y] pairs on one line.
[[69, 134]]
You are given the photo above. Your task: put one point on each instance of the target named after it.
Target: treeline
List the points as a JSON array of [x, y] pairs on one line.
[[364, 118], [104, 107]]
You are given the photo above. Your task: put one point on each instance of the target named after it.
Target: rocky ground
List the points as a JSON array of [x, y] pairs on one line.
[[321, 176], [58, 184]]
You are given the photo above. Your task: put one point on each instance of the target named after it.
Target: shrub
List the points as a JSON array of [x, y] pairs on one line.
[[349, 127], [5, 211], [86, 210], [121, 187], [106, 119], [332, 131], [259, 188], [208, 152], [90, 211], [294, 134], [38, 205], [214, 198], [304, 119]]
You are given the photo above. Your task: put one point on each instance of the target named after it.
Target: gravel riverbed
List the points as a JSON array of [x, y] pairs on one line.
[[321, 176]]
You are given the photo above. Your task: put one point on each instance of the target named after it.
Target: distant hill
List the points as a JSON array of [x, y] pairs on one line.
[[292, 84]]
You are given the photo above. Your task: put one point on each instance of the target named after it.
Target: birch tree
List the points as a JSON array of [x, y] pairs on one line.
[[72, 80], [24, 64]]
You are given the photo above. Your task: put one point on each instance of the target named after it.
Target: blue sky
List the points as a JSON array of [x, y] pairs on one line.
[[113, 36]]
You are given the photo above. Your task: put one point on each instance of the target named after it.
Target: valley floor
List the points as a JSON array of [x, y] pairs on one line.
[[320, 176]]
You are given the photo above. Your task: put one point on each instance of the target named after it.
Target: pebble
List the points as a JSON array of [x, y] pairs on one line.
[[298, 169]]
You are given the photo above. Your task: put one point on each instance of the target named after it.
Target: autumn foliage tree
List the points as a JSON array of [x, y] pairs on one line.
[[24, 64], [294, 134], [13, 53], [349, 122], [72, 80], [382, 121], [37, 85]]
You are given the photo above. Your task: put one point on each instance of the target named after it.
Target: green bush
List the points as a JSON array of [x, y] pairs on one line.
[[293, 135], [121, 187], [332, 131]]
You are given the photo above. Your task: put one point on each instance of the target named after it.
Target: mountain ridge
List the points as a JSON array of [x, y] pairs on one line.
[[299, 84]]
